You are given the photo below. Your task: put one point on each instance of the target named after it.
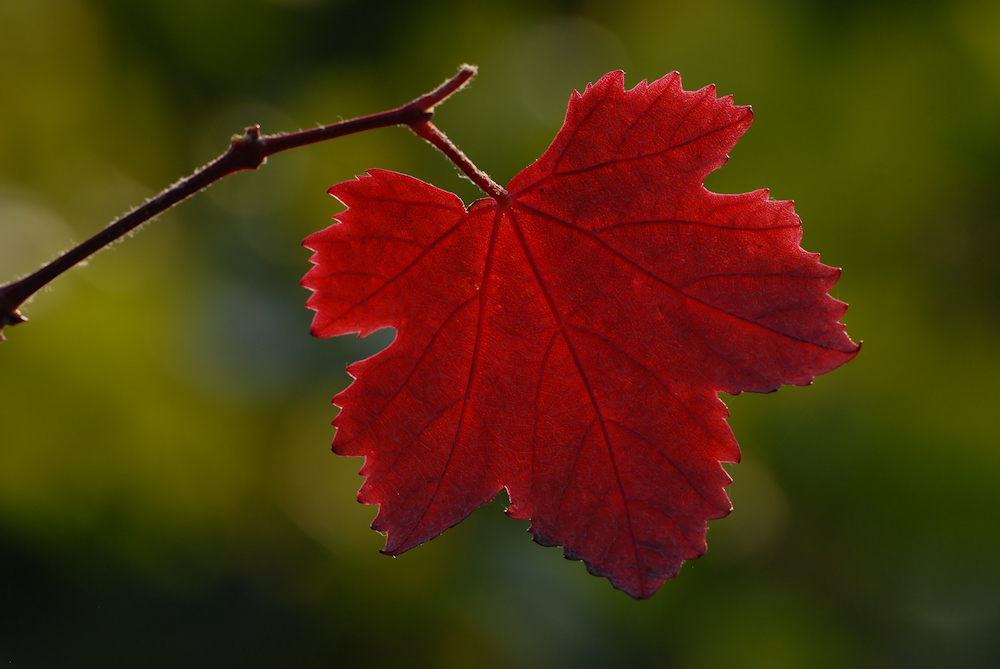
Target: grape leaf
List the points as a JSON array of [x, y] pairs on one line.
[[569, 344]]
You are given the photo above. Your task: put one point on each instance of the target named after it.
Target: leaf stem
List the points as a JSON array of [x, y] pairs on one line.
[[246, 152], [428, 131]]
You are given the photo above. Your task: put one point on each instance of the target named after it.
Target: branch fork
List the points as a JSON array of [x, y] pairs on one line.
[[248, 152]]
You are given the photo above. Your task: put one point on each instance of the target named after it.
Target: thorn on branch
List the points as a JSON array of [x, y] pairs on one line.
[[10, 317]]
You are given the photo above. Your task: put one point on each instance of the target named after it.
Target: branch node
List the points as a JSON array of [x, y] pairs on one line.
[[248, 150]]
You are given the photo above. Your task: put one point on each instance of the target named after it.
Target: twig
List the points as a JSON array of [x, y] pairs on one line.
[[246, 152]]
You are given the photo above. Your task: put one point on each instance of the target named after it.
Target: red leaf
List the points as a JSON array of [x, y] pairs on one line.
[[570, 346]]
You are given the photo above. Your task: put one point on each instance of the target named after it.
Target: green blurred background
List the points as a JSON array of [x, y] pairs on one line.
[[167, 493]]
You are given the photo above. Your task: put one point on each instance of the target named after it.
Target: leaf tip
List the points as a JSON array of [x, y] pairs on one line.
[[614, 79], [671, 81]]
